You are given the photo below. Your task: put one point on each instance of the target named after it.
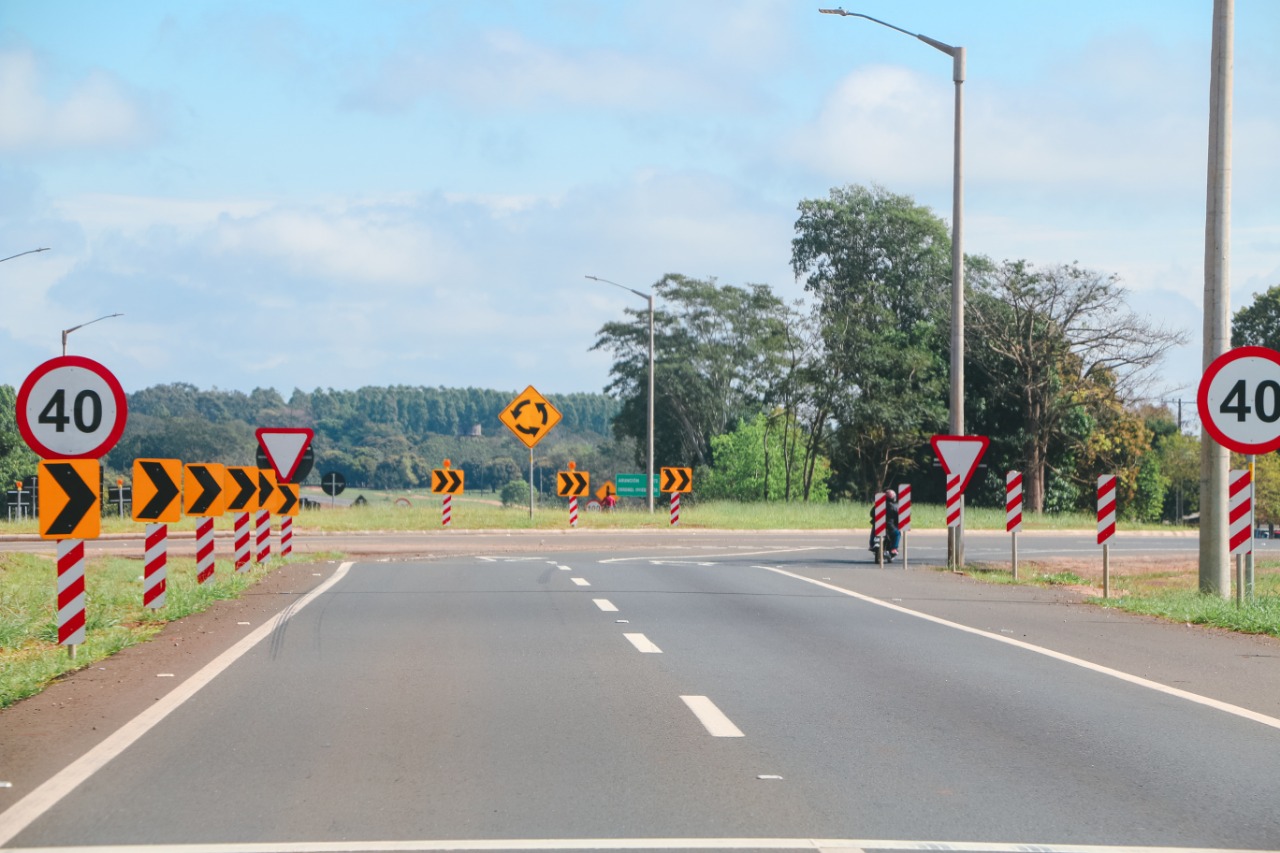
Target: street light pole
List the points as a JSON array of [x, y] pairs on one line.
[[957, 55], [27, 252], [66, 332], [649, 298]]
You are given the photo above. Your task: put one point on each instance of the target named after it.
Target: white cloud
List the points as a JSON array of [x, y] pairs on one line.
[[97, 113]]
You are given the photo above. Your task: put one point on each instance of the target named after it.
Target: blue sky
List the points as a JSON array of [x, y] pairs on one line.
[[301, 194]]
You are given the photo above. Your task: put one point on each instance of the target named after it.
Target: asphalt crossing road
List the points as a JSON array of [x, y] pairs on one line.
[[697, 699]]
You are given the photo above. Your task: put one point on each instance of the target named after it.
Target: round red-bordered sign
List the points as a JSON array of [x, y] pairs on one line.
[[71, 407], [1239, 400]]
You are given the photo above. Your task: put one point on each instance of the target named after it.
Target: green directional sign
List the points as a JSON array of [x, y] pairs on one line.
[[632, 486]]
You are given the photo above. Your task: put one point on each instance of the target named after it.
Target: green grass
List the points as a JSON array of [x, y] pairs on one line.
[[1027, 575], [29, 655]]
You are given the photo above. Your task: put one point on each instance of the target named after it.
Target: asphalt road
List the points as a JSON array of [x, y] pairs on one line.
[[753, 694]]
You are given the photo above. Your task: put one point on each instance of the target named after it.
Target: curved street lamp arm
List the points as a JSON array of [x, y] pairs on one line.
[[27, 252], [949, 50]]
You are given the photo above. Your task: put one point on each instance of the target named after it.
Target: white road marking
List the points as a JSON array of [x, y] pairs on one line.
[[24, 812], [581, 581], [717, 724], [1219, 705], [564, 568], [643, 644], [696, 557], [605, 604], [541, 844]]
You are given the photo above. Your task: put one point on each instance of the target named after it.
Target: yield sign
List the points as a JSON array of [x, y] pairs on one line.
[[959, 455], [284, 448]]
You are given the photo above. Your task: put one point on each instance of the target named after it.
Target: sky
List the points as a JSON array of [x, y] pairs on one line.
[[332, 195]]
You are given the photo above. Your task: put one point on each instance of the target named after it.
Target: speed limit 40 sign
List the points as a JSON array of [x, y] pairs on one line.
[[1239, 400], [71, 407]]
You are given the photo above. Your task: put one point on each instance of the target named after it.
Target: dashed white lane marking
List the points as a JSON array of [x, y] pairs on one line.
[[541, 844], [605, 604], [716, 723], [581, 581], [643, 644], [564, 568], [1226, 707], [22, 813]]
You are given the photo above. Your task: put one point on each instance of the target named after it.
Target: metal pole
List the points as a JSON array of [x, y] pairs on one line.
[[904, 550], [1015, 555], [1106, 570], [1215, 571], [1253, 524], [650, 481], [531, 482], [957, 276]]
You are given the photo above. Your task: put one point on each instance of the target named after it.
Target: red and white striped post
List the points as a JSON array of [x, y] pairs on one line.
[[71, 597], [263, 540], [955, 508], [573, 512], [1240, 523], [242, 537], [675, 508], [1013, 511], [879, 512], [904, 517], [286, 535], [155, 562], [446, 510], [1106, 526], [204, 550]]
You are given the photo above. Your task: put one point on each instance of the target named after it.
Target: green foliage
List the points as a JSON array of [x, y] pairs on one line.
[[752, 464], [515, 493], [1148, 499], [879, 267], [17, 462], [1258, 324]]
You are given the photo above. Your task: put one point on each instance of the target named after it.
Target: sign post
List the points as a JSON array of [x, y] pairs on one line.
[[879, 524], [448, 482], [204, 497], [156, 501], [573, 484], [530, 417], [959, 455], [904, 517], [676, 481], [1013, 512], [1106, 526], [1240, 524]]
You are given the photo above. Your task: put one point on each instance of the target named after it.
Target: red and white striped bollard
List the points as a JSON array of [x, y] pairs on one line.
[[263, 552], [1240, 522], [675, 508], [1013, 511], [286, 535], [879, 516], [1106, 526], [71, 597], [154, 570], [446, 510], [904, 517], [204, 550], [242, 539], [573, 512]]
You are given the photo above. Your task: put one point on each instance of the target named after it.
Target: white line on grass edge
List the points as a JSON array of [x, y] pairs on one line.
[[1226, 707], [27, 810]]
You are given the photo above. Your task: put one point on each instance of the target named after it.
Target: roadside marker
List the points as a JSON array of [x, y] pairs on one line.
[[879, 513], [242, 541], [904, 517], [1013, 511], [263, 538], [71, 597], [675, 509], [204, 550], [1106, 526], [286, 536], [154, 570], [1240, 524]]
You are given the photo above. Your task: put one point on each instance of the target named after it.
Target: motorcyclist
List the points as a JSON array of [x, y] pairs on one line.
[[892, 534]]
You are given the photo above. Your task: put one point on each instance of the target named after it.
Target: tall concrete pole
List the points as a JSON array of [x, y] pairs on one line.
[[957, 278], [1215, 565]]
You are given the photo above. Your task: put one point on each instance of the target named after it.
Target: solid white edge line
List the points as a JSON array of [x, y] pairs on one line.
[[705, 556], [711, 717], [45, 796], [605, 604], [1216, 704], [539, 844], [643, 644]]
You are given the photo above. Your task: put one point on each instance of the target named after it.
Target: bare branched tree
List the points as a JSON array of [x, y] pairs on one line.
[[1060, 335]]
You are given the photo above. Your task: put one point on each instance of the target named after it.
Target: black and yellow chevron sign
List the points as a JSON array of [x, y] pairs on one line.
[[572, 484]]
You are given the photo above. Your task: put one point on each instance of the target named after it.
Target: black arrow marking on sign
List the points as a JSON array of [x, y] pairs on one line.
[[210, 489], [80, 498], [446, 481], [290, 499], [247, 488], [573, 484], [264, 489], [456, 485], [166, 491], [516, 409], [542, 407]]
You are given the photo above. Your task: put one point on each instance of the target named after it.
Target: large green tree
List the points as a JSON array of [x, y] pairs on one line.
[[1062, 343], [878, 265], [715, 352], [17, 462], [1258, 324]]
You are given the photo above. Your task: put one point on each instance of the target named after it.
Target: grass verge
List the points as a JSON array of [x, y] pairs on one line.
[[29, 655]]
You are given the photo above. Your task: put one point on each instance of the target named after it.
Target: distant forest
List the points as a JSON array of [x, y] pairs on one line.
[[388, 437]]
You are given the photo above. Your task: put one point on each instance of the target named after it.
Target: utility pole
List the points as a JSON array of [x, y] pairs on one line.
[[1215, 565]]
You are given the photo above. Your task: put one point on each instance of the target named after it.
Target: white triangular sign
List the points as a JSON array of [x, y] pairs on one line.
[[960, 454], [284, 448]]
